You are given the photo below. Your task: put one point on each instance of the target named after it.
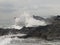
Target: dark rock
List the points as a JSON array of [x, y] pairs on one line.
[[38, 17], [48, 32], [8, 31]]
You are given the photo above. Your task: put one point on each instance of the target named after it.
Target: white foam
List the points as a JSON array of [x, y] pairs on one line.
[[5, 41], [16, 27]]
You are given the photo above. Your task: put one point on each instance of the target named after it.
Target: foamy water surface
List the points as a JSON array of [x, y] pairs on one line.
[[7, 40]]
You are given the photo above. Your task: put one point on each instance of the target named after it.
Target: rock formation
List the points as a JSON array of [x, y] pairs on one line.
[[48, 32]]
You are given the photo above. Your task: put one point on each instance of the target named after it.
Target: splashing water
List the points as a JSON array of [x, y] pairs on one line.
[[27, 20]]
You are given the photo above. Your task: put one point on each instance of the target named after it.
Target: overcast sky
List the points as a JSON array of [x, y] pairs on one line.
[[11, 8]]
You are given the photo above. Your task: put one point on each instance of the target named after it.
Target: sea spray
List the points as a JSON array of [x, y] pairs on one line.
[[27, 20]]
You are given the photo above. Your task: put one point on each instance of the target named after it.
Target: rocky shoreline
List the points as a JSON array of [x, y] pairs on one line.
[[48, 32]]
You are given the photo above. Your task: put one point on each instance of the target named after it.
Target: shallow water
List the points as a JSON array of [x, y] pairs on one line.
[[6, 40]]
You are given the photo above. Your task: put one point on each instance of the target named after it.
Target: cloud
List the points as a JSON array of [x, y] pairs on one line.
[[38, 7]]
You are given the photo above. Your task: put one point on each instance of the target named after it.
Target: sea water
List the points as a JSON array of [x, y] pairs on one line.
[[7, 40]]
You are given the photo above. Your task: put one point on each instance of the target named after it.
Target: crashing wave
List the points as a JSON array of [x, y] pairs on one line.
[[27, 20]]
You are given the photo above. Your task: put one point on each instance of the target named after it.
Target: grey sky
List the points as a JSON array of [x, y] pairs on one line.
[[11, 8]]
